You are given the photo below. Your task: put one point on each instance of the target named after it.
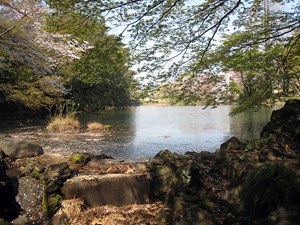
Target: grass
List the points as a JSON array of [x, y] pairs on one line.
[[270, 187], [93, 126], [62, 124]]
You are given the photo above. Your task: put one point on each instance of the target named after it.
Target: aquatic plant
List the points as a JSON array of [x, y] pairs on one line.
[[95, 126], [270, 187], [62, 124]]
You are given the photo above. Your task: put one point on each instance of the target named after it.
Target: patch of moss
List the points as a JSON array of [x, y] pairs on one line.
[[77, 158], [243, 158], [51, 204], [80, 158], [5, 136], [161, 194], [107, 127], [36, 175], [249, 147], [51, 187], [263, 140]]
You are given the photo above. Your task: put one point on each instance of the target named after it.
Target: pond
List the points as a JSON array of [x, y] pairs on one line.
[[139, 133]]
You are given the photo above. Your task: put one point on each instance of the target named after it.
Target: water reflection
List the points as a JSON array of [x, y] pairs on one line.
[[248, 125], [141, 132], [147, 130]]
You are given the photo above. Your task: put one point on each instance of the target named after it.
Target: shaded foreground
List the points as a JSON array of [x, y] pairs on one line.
[[194, 188]]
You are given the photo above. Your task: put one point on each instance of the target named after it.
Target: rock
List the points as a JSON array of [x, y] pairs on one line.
[[165, 216], [192, 214], [80, 158], [58, 172], [29, 197], [52, 199], [102, 156], [231, 144], [18, 148], [109, 189], [21, 220], [53, 177], [3, 176], [285, 125], [174, 175], [31, 165], [9, 208]]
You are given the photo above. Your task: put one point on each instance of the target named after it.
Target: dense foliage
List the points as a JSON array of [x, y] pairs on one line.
[[170, 38], [101, 77], [68, 42], [42, 69]]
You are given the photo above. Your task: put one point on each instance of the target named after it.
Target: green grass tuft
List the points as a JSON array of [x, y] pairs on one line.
[[270, 187]]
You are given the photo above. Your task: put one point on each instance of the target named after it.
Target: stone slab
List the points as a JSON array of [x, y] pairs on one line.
[[109, 189]]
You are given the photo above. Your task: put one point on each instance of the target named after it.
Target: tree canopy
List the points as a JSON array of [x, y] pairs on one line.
[[258, 40], [169, 38]]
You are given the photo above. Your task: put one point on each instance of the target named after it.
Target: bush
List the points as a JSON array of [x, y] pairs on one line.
[[62, 124], [270, 187]]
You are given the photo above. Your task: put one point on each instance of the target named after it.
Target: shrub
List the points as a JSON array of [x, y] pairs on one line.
[[270, 187], [95, 126], [62, 124]]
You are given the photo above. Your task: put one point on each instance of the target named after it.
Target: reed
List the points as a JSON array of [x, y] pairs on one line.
[[62, 124], [94, 126]]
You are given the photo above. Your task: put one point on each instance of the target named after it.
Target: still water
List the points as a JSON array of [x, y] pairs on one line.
[[138, 133]]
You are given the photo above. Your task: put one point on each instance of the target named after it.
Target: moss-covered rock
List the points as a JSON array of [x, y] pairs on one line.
[[51, 204], [34, 167], [177, 179], [57, 172], [80, 158], [53, 177]]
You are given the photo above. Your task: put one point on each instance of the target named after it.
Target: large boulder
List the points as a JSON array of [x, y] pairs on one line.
[[179, 180], [18, 148], [284, 127]]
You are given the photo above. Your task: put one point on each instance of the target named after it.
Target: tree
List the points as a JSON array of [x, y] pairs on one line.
[[262, 65], [260, 74], [163, 30], [101, 77], [32, 61]]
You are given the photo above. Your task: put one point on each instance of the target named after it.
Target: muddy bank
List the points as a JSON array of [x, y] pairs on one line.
[[193, 188]]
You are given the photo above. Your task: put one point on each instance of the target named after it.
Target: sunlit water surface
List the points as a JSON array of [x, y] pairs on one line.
[[138, 133]]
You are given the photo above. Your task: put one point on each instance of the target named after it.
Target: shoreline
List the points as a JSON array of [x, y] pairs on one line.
[[200, 188]]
